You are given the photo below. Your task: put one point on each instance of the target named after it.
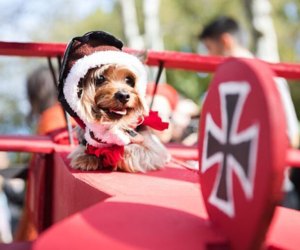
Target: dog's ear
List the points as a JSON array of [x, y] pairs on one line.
[[141, 55]]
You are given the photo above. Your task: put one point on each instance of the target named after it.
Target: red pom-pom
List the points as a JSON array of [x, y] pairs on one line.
[[155, 122]]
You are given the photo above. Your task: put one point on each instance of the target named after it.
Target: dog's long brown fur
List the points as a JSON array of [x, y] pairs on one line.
[[98, 90]]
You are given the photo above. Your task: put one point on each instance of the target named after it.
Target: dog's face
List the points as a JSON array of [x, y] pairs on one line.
[[109, 94]]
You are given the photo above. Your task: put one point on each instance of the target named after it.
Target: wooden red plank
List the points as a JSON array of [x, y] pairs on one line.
[[284, 230], [165, 210], [139, 222], [103, 184], [158, 210], [158, 226]]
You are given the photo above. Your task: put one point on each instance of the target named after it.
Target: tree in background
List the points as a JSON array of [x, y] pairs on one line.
[[151, 39], [262, 29], [130, 24]]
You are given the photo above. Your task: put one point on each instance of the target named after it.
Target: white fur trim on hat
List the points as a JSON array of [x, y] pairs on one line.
[[81, 67]]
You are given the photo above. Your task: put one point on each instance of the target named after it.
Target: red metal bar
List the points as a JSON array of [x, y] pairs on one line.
[[171, 59], [286, 70], [180, 60], [23, 143], [44, 144], [195, 62], [32, 49]]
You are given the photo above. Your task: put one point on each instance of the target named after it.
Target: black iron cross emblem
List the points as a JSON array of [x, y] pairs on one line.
[[232, 150]]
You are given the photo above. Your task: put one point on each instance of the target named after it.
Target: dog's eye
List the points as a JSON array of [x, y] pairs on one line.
[[130, 81], [99, 80]]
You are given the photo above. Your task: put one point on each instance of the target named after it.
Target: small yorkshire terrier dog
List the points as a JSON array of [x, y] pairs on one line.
[[104, 89], [108, 97]]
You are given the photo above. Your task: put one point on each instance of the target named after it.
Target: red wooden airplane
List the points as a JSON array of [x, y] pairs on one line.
[[231, 202]]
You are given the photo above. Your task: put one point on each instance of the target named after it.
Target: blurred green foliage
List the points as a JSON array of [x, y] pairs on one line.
[[16, 117]]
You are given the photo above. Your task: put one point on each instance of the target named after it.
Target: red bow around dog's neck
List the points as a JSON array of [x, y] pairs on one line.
[[154, 121], [112, 155]]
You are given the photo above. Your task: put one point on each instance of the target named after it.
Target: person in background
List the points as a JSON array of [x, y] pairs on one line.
[[223, 37], [45, 111], [47, 117]]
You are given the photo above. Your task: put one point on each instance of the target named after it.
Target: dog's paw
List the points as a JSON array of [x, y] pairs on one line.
[[143, 158], [85, 162], [82, 161]]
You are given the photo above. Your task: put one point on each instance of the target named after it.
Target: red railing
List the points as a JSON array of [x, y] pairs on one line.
[[29, 143], [171, 59]]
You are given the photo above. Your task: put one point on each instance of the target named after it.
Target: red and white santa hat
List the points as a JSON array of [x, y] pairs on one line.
[[92, 50]]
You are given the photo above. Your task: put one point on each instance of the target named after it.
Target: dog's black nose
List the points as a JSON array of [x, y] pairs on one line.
[[122, 96]]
